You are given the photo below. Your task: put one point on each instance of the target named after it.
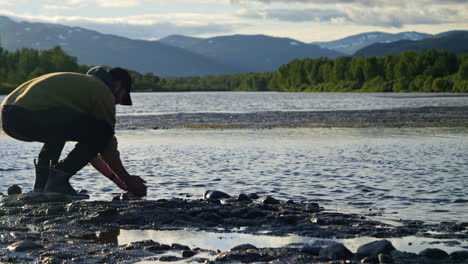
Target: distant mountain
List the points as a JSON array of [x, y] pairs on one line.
[[351, 44], [254, 53], [93, 48], [454, 41]]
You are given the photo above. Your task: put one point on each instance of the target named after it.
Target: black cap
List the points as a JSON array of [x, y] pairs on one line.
[[123, 76]]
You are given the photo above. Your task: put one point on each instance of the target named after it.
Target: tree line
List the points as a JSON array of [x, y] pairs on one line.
[[425, 71], [25, 64], [412, 71]]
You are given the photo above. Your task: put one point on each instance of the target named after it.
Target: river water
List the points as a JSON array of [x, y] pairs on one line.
[[414, 173]]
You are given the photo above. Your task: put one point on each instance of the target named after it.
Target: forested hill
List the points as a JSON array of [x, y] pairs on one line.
[[425, 71], [455, 41]]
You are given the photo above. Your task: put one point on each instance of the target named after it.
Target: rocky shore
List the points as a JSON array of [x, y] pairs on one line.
[[53, 228], [398, 117]]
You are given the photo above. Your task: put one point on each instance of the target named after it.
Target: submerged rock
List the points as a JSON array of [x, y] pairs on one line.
[[373, 249], [335, 251], [215, 195], [24, 245], [14, 189]]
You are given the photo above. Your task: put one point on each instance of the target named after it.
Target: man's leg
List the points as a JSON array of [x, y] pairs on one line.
[[49, 155]]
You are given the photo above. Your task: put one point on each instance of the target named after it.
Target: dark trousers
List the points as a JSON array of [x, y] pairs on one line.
[[54, 127]]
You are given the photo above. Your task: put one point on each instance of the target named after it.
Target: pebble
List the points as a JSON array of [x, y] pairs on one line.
[[434, 253], [373, 249], [269, 200], [335, 251], [215, 195], [14, 189], [243, 247], [23, 245]]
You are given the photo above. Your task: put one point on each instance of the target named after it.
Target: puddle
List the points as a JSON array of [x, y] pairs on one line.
[[226, 241]]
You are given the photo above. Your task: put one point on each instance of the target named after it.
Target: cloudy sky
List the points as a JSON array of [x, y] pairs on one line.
[[304, 20]]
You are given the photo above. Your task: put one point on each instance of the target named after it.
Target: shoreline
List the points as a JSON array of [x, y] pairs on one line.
[[443, 116], [52, 228]]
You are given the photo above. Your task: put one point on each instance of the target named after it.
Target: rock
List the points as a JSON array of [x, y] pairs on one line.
[[373, 249], [385, 259], [459, 255], [335, 251], [71, 208], [57, 209], [269, 200], [121, 197], [215, 195], [313, 207], [226, 201], [179, 246], [253, 196], [370, 260], [169, 258], [308, 249], [35, 198], [244, 247], [24, 245], [243, 198], [434, 253], [210, 216], [254, 213], [14, 189], [289, 202], [188, 253], [400, 255]]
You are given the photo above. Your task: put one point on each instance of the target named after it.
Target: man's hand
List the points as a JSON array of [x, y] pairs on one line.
[[136, 185]]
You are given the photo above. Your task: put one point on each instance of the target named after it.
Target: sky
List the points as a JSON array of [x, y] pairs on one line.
[[303, 20]]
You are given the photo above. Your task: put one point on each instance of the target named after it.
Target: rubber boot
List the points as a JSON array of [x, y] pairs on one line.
[[42, 173], [59, 182]]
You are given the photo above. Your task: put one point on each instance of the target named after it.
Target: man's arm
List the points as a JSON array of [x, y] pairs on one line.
[[111, 156], [101, 166]]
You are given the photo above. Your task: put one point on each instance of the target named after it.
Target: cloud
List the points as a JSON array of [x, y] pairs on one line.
[[141, 26], [388, 16]]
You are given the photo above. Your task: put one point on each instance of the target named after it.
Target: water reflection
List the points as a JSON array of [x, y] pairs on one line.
[[226, 241]]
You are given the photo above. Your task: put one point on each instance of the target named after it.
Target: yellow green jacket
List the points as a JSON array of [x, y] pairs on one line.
[[82, 93]]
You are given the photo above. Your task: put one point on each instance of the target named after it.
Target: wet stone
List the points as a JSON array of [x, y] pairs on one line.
[[243, 198], [34, 198], [335, 251], [14, 189], [188, 253], [24, 245], [459, 255], [243, 247], [179, 246], [370, 260], [253, 196], [215, 195], [169, 258], [400, 255], [385, 259], [434, 253], [56, 209], [313, 207], [269, 200], [254, 213], [373, 249]]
